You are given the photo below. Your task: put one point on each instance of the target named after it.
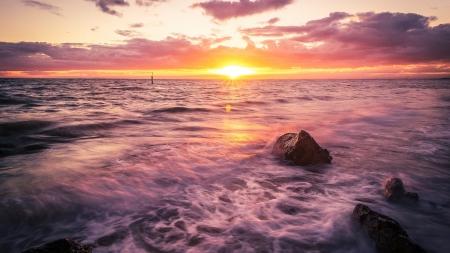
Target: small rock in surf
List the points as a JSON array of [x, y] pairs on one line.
[[394, 190], [301, 149], [387, 233]]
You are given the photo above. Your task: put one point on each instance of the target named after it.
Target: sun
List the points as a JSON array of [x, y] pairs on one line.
[[233, 71]]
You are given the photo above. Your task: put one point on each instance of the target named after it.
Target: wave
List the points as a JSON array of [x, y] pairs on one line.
[[249, 102], [25, 137], [131, 122], [81, 130], [129, 88], [324, 98], [282, 101], [306, 98], [9, 148], [6, 100], [195, 128], [22, 127], [180, 109]]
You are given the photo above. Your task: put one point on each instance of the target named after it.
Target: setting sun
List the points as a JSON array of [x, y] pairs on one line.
[[233, 71]]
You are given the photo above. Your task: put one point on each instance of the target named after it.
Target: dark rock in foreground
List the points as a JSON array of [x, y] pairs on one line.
[[394, 190], [301, 148], [388, 235], [64, 245]]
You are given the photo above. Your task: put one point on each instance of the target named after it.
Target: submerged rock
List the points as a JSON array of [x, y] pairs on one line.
[[387, 233], [394, 190], [64, 245], [301, 148]]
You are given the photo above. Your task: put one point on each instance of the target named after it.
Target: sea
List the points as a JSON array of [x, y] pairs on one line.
[[187, 165]]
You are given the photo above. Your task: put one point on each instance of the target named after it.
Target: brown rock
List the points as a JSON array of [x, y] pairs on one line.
[[64, 245], [301, 148], [394, 190], [387, 233]]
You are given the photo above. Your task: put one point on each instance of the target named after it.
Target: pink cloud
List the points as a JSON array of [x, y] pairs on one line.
[[171, 52], [370, 39], [223, 10], [367, 40], [273, 21], [328, 24]]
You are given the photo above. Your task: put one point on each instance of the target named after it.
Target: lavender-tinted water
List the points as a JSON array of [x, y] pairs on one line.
[[186, 165]]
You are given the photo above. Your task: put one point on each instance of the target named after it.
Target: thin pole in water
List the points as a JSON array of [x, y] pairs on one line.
[[152, 77]]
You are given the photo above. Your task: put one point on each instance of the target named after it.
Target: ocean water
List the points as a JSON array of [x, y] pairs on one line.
[[186, 165]]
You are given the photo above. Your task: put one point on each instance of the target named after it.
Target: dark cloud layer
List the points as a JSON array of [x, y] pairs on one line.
[[223, 10], [340, 40], [43, 6]]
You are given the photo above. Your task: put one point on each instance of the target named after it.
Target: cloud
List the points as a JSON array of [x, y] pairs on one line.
[[137, 53], [156, 24], [223, 10], [136, 25], [95, 28], [128, 33], [273, 21], [338, 41], [327, 24], [364, 39], [104, 5], [43, 6], [202, 41], [149, 2]]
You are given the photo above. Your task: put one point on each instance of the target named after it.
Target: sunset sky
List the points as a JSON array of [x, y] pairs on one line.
[[192, 38]]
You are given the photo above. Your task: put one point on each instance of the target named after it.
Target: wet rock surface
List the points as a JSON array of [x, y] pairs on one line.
[[394, 190], [301, 149], [64, 245], [387, 233]]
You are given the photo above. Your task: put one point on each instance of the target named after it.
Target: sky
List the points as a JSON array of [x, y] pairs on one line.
[[321, 39]]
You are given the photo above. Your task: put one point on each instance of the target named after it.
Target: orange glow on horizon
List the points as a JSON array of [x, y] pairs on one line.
[[233, 71], [389, 72]]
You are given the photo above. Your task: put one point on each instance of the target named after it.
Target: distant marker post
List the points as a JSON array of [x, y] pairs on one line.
[[152, 77]]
